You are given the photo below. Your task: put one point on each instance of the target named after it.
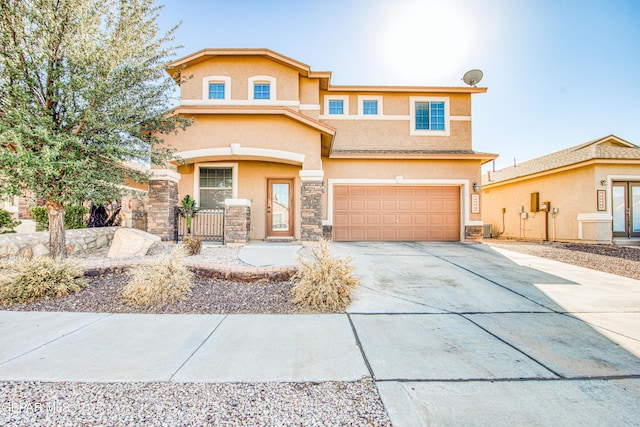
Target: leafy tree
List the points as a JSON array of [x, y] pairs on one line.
[[83, 91]]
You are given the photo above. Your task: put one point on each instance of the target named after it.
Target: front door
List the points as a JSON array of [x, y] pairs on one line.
[[626, 209], [279, 207]]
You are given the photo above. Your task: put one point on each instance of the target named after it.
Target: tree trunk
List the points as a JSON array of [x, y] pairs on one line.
[[57, 237]]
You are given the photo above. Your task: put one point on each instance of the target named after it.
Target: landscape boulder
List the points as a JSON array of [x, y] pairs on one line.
[[129, 242]]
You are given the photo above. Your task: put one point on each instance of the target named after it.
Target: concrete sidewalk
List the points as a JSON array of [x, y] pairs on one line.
[[451, 334]]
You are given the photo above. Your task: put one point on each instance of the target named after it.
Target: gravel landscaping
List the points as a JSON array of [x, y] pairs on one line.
[[620, 260], [176, 404]]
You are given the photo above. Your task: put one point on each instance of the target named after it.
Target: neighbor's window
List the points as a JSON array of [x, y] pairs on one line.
[[429, 115], [216, 90], [336, 106], [216, 185], [261, 91], [370, 107]]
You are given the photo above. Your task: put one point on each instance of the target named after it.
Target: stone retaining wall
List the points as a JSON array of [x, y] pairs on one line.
[[37, 244]]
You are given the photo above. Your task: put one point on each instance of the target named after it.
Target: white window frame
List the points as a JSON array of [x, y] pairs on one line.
[[216, 79], [362, 98], [273, 90], [196, 178], [427, 132], [345, 106]]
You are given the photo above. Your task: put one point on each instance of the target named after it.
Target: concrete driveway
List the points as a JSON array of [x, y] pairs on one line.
[[463, 334]]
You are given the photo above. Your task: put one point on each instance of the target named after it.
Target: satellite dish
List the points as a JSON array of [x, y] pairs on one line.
[[472, 77]]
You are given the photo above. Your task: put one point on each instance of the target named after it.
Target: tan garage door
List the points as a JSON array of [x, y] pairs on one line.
[[396, 213]]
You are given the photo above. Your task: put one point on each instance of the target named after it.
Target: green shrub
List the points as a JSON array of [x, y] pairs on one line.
[[39, 278], [7, 223], [159, 282], [323, 282], [192, 245], [75, 217]]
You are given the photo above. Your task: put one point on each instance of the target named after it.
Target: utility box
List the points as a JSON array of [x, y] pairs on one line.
[[535, 202], [545, 207]]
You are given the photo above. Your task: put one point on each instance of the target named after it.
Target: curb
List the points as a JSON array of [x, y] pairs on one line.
[[201, 269]]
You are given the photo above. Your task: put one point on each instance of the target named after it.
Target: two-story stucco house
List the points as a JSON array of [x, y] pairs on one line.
[[307, 158]]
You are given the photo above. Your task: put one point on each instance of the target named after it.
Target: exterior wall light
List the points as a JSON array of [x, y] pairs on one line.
[[324, 187], [603, 182], [476, 187]]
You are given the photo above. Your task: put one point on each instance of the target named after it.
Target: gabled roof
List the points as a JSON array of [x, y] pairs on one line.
[[607, 148]]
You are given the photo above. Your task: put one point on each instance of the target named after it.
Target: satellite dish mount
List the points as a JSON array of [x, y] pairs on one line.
[[472, 77]]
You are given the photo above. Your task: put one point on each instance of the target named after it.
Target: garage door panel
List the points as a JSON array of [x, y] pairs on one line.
[[392, 213]]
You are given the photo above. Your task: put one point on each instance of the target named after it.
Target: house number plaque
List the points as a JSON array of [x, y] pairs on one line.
[[475, 203]]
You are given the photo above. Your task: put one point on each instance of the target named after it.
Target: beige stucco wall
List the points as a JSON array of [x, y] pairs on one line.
[[309, 91], [572, 192], [252, 185], [269, 132], [436, 172], [240, 69], [394, 135]]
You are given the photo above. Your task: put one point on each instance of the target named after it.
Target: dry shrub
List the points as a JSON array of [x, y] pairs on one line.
[[192, 245], [159, 282], [25, 279], [323, 282]]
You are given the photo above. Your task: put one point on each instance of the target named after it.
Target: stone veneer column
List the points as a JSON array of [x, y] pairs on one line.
[[311, 205], [163, 198], [237, 221]]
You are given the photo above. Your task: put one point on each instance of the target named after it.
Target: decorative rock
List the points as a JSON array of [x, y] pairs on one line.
[[40, 250], [129, 242]]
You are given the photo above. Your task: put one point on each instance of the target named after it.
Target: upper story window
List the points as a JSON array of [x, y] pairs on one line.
[[216, 90], [370, 107], [261, 90], [429, 116], [336, 106]]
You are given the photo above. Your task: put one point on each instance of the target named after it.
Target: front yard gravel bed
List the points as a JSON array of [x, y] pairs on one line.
[[620, 260], [178, 404], [208, 296]]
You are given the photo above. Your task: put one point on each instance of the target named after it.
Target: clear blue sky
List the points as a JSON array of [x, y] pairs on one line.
[[558, 72]]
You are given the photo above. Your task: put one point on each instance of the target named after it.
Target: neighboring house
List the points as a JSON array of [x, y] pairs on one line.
[[309, 159], [592, 190]]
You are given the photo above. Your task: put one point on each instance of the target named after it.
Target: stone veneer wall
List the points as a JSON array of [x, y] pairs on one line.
[[163, 198], [134, 210], [37, 244], [237, 221], [311, 210]]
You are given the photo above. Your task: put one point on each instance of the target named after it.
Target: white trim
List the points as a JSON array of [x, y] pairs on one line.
[[237, 202], [464, 184], [345, 105], [362, 98], [216, 79], [309, 107], [273, 89], [412, 116], [367, 117], [311, 175], [164, 174], [196, 178], [238, 150], [460, 118], [239, 102]]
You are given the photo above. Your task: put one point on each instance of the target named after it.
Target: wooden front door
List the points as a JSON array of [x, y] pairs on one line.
[[280, 207]]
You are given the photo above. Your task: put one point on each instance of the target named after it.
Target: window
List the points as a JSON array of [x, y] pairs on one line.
[[370, 107], [261, 91], [216, 185], [336, 106], [429, 116], [216, 90]]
